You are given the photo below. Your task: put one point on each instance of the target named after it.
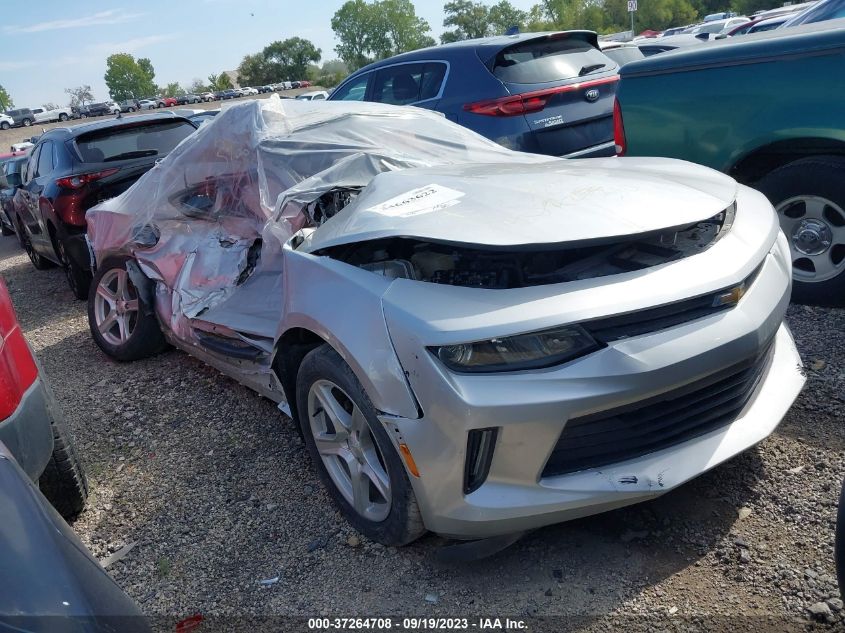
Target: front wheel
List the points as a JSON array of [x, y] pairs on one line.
[[5, 125], [809, 197], [132, 109], [63, 117], [27, 122], [352, 452], [121, 325]]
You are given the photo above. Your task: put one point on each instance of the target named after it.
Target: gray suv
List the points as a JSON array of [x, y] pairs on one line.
[[23, 117]]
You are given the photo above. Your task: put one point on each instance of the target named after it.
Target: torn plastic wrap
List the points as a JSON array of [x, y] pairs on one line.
[[214, 214]]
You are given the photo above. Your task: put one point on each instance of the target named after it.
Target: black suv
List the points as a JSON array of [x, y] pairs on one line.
[[72, 169], [99, 109], [23, 117]]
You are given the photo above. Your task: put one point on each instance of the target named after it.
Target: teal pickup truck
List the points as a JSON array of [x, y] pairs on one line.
[[768, 109]]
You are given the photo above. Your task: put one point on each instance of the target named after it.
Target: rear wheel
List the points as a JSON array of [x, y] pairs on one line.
[[38, 261], [63, 481], [27, 122], [809, 197], [352, 452], [63, 117], [120, 324], [78, 278], [4, 125], [132, 109]]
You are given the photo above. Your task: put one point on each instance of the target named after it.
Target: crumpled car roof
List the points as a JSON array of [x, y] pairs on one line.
[[280, 155]]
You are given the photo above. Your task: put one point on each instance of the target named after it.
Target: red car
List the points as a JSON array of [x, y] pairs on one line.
[[31, 423], [166, 102]]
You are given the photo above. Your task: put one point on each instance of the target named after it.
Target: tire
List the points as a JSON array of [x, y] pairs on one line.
[[395, 521], [809, 196], [5, 125], [78, 278], [132, 109], [63, 481], [143, 336], [39, 262], [159, 105], [5, 230], [26, 122], [839, 548], [63, 117]]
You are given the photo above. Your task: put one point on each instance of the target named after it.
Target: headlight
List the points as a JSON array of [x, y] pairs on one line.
[[525, 351]]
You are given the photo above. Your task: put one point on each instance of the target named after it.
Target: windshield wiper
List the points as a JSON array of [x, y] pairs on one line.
[[138, 153], [586, 70]]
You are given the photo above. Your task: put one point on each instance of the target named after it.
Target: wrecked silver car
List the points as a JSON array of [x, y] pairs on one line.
[[472, 341]]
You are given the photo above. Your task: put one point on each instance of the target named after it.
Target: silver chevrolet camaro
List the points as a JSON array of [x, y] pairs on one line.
[[472, 341]]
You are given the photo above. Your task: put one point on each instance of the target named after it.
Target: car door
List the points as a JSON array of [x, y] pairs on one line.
[[39, 169]]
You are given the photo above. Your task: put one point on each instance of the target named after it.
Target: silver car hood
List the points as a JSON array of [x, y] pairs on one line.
[[517, 204]]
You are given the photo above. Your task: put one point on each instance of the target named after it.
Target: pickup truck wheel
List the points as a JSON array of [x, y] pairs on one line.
[[63, 117], [119, 322], [78, 278], [354, 456], [63, 481], [809, 197]]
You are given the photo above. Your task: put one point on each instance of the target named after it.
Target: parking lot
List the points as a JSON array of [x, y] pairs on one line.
[[211, 491], [19, 134]]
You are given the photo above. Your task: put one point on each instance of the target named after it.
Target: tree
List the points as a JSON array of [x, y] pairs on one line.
[[171, 90], [127, 78], [254, 70], [50, 106], [6, 102], [403, 30], [470, 19], [80, 95], [504, 16], [219, 82], [197, 86], [289, 58], [368, 31], [353, 27]]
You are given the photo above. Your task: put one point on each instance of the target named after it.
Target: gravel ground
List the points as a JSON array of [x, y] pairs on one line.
[[214, 489], [20, 134]]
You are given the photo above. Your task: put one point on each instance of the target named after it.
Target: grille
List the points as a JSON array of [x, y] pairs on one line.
[[616, 435], [653, 319]]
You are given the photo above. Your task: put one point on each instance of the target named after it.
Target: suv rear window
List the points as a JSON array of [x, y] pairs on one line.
[[548, 59], [157, 138]]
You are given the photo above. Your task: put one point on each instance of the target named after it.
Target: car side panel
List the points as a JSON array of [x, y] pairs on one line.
[[747, 106]]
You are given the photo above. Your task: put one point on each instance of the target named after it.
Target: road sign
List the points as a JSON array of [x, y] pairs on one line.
[[632, 5]]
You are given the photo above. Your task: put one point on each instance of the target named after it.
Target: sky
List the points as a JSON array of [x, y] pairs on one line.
[[65, 44]]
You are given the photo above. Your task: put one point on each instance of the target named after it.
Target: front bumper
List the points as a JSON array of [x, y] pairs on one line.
[[531, 409], [28, 432]]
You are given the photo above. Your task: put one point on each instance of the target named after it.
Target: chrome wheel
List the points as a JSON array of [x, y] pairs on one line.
[[815, 227], [116, 307], [349, 451]]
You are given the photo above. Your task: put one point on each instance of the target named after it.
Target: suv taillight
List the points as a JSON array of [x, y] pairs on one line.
[[17, 366], [80, 180], [533, 101], [618, 129]]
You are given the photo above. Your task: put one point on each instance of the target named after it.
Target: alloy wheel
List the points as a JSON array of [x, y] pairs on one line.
[[116, 307], [815, 228], [349, 451]]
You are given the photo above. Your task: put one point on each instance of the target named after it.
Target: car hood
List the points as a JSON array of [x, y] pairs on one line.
[[511, 205]]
